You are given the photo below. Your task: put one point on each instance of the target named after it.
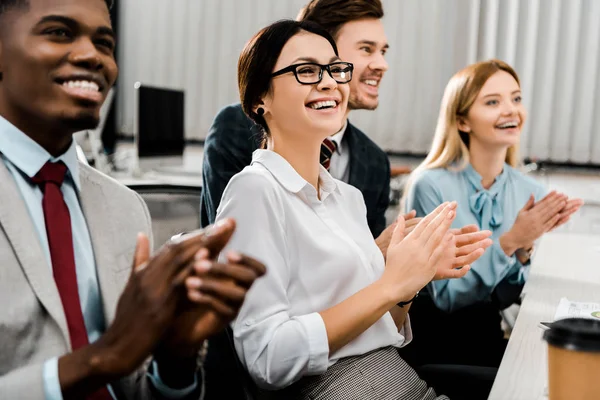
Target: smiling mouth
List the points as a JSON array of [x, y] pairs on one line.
[[86, 85], [323, 105], [83, 90], [508, 125]]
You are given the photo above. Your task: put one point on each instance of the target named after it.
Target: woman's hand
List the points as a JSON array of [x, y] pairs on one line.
[[412, 260], [570, 208], [533, 221], [410, 223], [468, 245]]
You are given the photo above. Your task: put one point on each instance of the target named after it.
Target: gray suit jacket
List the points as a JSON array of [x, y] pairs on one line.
[[33, 327]]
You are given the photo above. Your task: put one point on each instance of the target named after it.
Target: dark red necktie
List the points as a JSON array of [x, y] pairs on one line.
[[327, 148], [60, 241]]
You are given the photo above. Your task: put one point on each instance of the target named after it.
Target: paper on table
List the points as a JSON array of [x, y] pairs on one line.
[[574, 309]]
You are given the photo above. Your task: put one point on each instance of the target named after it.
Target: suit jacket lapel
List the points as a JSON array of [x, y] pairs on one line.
[[358, 159], [18, 226], [97, 216]]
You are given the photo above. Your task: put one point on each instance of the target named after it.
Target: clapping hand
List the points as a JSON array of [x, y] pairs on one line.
[[410, 223], [215, 292], [570, 208], [412, 260], [468, 245]]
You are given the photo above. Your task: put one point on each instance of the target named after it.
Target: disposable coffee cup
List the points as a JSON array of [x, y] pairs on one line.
[[574, 359]]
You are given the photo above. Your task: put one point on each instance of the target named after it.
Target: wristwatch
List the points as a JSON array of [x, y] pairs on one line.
[[524, 254], [404, 303]]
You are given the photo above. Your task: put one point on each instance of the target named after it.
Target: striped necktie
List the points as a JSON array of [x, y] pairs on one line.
[[327, 148]]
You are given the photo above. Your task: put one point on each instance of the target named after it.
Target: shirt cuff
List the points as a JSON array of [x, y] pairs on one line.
[[165, 390], [52, 390], [502, 263], [318, 344], [406, 332]]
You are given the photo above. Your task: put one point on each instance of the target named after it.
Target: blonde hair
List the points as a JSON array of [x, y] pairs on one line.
[[450, 147]]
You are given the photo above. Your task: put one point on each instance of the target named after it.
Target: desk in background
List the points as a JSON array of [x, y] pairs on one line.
[[565, 265]]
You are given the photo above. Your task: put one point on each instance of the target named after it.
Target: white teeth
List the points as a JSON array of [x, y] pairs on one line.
[[370, 82], [86, 85], [511, 124], [323, 104]]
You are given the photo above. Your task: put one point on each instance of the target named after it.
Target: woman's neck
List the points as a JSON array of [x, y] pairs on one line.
[[303, 155], [487, 161]]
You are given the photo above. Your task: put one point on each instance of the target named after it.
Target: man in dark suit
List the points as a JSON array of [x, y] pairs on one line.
[[357, 28]]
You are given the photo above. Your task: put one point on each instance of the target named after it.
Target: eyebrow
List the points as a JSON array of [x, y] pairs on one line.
[[70, 22], [314, 60], [373, 44], [498, 94]]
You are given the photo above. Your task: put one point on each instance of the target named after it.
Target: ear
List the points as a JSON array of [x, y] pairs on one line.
[[463, 125], [260, 103], [263, 103]]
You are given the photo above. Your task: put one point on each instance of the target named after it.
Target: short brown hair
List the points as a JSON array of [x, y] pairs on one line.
[[332, 14]]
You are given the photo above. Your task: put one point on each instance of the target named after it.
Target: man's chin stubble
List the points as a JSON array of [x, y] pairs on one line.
[[354, 104]]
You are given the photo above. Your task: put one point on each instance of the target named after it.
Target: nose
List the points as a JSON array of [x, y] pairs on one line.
[[510, 108], [379, 63], [327, 82], [85, 54]]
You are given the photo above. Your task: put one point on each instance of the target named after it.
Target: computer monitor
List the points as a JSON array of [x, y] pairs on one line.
[[159, 128]]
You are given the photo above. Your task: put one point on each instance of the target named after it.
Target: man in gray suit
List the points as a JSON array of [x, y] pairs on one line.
[[87, 312]]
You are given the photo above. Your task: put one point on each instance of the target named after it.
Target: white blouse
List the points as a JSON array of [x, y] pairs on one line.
[[317, 252]]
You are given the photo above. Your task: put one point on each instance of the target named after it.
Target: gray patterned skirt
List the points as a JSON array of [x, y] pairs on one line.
[[379, 375]]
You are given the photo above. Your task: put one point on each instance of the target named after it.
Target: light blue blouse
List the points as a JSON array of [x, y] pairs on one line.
[[495, 209]]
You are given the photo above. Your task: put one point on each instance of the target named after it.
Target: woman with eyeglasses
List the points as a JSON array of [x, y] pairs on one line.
[[327, 319]]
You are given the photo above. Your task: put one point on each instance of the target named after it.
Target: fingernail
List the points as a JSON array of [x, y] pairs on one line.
[[203, 265], [213, 229], [234, 256], [194, 282], [451, 215], [194, 296], [202, 254], [222, 223]]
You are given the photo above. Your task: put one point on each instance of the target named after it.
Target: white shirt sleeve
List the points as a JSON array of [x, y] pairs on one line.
[[276, 347], [406, 331]]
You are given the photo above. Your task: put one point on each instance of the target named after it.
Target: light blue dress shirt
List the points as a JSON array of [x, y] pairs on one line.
[[495, 209], [24, 158]]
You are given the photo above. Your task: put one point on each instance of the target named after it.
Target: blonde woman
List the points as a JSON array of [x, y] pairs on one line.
[[474, 160]]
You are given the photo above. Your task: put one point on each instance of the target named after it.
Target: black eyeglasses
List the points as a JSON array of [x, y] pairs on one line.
[[311, 73]]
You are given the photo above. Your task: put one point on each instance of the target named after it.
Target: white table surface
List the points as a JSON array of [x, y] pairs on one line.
[[154, 178], [565, 265]]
